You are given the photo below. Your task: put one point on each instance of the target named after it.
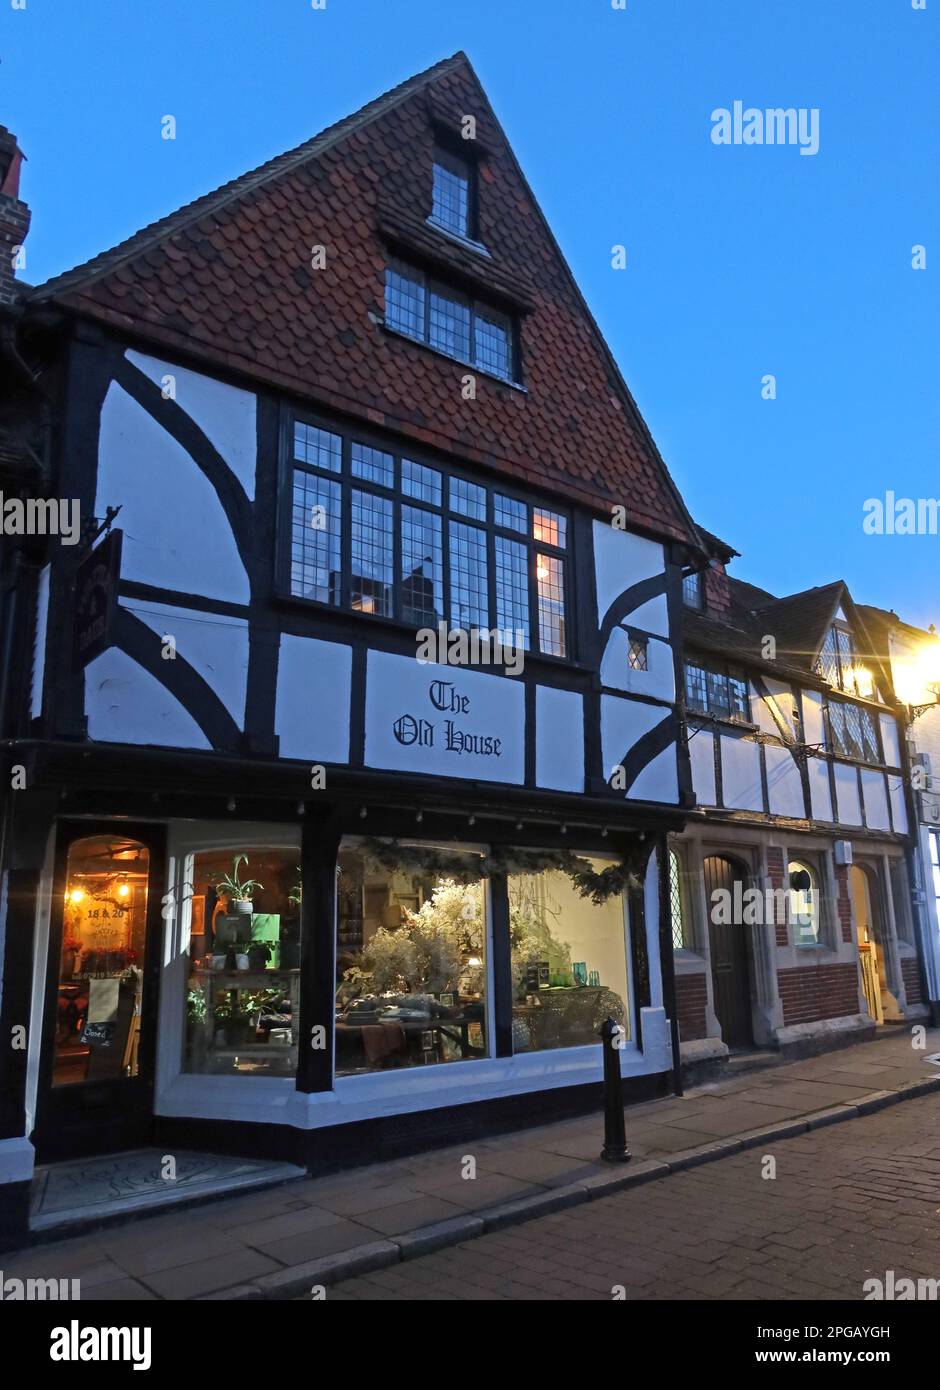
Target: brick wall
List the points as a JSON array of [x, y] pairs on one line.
[[691, 997], [809, 993], [775, 873], [912, 985], [844, 902]]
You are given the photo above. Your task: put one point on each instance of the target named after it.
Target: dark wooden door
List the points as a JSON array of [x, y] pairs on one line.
[[729, 953], [99, 1023]]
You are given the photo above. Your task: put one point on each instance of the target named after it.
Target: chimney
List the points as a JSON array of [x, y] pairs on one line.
[[14, 216]]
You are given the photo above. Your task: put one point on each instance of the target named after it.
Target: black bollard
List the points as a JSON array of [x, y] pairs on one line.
[[615, 1134]]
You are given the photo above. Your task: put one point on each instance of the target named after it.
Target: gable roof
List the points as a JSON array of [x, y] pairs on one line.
[[228, 279]]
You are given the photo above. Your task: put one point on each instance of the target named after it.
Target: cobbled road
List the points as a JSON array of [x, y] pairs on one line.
[[846, 1204]]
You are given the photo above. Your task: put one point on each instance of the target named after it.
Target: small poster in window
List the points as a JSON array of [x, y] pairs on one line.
[[101, 1021]]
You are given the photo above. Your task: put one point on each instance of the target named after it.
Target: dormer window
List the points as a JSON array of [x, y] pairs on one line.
[[839, 663], [452, 200], [448, 321]]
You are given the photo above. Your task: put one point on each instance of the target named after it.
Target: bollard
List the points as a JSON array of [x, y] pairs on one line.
[[615, 1135]]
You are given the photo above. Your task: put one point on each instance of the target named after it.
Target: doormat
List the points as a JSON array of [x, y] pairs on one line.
[[119, 1184]]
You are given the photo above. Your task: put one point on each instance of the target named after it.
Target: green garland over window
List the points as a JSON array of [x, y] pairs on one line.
[[465, 867]]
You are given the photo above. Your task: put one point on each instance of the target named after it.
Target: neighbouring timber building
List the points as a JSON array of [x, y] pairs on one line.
[[802, 777], [274, 886]]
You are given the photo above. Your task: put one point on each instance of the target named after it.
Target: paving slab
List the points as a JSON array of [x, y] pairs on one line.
[[266, 1243]]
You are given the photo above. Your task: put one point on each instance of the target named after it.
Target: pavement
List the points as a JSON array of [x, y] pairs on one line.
[[317, 1232], [846, 1212]]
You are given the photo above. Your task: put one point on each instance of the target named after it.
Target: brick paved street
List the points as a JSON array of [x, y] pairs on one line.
[[847, 1204]]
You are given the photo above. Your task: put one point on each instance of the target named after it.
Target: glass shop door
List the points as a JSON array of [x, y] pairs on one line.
[[99, 1044]]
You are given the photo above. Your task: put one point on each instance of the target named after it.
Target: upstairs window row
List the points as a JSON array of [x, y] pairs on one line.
[[377, 532], [451, 322], [719, 691]]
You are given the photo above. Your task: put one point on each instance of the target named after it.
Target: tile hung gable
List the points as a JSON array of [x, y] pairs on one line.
[[229, 279]]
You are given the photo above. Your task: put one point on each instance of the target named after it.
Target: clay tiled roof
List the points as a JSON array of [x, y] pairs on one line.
[[228, 279]]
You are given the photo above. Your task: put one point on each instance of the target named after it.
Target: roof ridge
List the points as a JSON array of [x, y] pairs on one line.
[[802, 593], [105, 261]]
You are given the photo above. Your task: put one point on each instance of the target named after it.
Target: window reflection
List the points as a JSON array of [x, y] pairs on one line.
[[569, 962]]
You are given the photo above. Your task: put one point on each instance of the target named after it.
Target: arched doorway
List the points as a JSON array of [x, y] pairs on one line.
[[877, 983], [729, 950]]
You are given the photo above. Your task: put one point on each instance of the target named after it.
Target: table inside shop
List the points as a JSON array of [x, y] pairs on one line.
[[564, 1013], [456, 1028], [233, 983]]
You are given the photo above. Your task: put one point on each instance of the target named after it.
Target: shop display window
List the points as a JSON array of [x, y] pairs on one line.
[[411, 961], [243, 989], [569, 962]]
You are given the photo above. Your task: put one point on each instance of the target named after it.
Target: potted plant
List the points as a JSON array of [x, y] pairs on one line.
[[238, 891], [234, 1025], [259, 953]]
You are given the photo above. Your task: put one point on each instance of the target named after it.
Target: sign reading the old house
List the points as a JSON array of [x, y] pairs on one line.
[[96, 589], [442, 720]]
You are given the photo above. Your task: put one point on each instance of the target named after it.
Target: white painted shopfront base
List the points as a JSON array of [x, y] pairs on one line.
[[274, 1100], [17, 1161]]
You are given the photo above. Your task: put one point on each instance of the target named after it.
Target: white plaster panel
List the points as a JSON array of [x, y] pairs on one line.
[[779, 699], [126, 704], [225, 414], [622, 559], [875, 794], [435, 708], [651, 616], [559, 739], [898, 807], [889, 740], [813, 717], [847, 802], [176, 534], [314, 679], [702, 754], [740, 774], [215, 645], [659, 780], [658, 681], [784, 785], [623, 722], [820, 792]]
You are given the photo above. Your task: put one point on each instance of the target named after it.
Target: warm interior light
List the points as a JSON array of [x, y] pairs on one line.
[[77, 895], [123, 890], [541, 571]]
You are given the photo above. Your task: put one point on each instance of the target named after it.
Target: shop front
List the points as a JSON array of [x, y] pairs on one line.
[[324, 986]]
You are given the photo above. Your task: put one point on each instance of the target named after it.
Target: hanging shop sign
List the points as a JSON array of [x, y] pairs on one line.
[[96, 593]]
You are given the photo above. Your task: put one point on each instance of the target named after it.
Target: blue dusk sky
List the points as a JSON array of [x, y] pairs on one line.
[[742, 261]]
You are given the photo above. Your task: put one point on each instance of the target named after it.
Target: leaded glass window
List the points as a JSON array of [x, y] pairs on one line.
[[378, 532], [451, 322]]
